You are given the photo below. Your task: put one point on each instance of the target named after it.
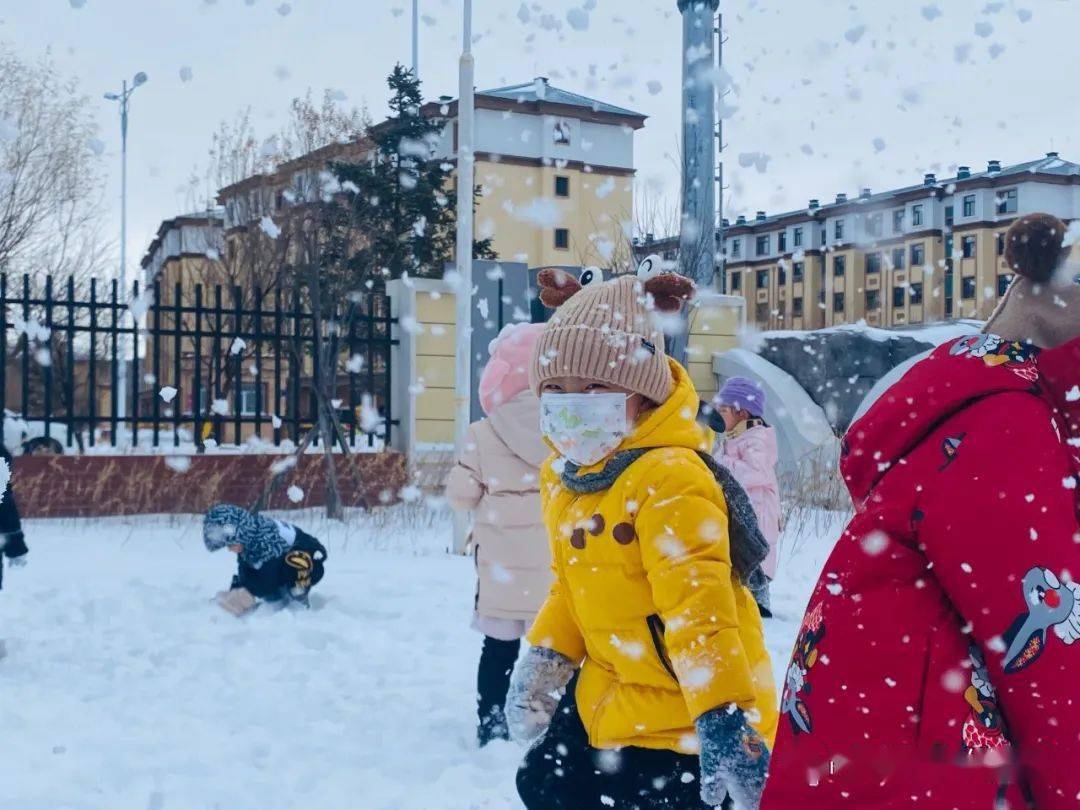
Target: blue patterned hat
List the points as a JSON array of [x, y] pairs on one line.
[[226, 524]]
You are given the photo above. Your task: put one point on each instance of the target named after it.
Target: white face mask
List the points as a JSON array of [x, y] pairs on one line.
[[585, 428]]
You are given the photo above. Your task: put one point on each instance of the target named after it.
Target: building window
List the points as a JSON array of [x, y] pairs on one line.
[[839, 265], [874, 224], [1006, 201], [796, 237], [736, 248], [562, 239], [763, 245], [838, 302], [1003, 284], [918, 255], [898, 296], [916, 216], [248, 397], [898, 221], [873, 300], [873, 262], [898, 258], [948, 216], [796, 307], [797, 272], [781, 241], [969, 205], [562, 186], [1000, 244], [967, 247], [967, 287], [736, 281], [916, 293], [762, 279], [838, 229], [781, 276], [761, 313], [561, 133]]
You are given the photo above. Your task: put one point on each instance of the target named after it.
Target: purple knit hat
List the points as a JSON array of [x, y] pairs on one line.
[[744, 394]]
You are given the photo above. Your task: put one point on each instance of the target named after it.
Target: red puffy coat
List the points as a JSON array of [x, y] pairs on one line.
[[938, 664]]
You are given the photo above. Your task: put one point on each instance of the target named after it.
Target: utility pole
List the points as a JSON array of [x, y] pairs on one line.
[[722, 260], [697, 240], [465, 175], [416, 38], [122, 98]]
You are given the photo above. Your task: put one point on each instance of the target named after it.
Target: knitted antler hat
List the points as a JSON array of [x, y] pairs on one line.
[[1042, 305], [609, 330]]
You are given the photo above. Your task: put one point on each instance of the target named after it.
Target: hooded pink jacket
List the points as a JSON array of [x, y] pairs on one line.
[[751, 456], [498, 478]]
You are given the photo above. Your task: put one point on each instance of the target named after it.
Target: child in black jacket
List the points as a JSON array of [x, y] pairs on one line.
[[11, 535], [276, 561]]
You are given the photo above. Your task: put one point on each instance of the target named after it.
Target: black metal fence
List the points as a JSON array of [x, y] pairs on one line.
[[220, 363]]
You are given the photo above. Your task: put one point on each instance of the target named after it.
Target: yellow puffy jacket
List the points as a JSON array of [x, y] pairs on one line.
[[645, 594]]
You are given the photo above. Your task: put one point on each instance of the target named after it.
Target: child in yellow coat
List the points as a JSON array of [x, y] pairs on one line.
[[648, 625]]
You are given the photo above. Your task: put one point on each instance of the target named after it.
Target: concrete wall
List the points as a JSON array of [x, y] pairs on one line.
[[715, 324]]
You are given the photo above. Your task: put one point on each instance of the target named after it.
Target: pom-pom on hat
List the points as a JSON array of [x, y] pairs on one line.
[[507, 371], [1033, 246], [1042, 305], [606, 330]]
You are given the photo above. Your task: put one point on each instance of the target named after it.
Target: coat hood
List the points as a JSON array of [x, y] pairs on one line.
[[517, 424], [673, 423], [951, 378]]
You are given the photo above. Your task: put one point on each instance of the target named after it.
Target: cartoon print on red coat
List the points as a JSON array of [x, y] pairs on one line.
[[1016, 356], [802, 661], [1050, 603], [950, 447], [984, 729]]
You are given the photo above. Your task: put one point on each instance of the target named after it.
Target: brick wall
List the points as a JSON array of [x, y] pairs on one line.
[[92, 486]]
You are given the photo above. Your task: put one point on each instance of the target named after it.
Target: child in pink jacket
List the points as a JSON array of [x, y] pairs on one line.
[[497, 478], [748, 449]]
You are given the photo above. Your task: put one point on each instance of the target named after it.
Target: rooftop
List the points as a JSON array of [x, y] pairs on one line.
[[1051, 165], [540, 89]]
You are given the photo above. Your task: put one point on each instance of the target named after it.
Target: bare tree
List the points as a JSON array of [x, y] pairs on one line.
[[51, 175]]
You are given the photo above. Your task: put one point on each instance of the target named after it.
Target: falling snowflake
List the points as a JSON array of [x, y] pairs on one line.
[[267, 225], [220, 407], [295, 493], [167, 393], [238, 345], [180, 464]]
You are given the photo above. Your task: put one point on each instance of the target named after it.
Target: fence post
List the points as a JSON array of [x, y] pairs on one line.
[[403, 369], [70, 352]]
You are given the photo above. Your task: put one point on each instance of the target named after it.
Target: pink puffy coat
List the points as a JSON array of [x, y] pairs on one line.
[[497, 477], [751, 455]]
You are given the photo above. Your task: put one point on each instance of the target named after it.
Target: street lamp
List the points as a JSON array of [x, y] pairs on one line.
[[122, 97], [465, 179]]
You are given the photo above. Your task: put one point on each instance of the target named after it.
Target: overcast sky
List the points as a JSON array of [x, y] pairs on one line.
[[830, 95]]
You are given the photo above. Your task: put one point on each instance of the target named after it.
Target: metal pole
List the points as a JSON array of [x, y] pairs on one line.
[[721, 261], [121, 380], [465, 168], [696, 234], [416, 38]]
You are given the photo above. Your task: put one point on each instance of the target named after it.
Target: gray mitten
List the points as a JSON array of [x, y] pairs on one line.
[[532, 698], [734, 758]]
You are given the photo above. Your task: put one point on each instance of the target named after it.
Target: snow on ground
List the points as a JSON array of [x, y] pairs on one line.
[[125, 688]]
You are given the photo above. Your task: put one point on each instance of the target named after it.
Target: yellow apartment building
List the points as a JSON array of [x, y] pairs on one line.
[[555, 170], [911, 255]]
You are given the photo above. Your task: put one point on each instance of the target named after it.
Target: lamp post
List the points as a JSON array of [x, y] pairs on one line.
[[122, 98], [697, 226], [465, 169], [416, 38]]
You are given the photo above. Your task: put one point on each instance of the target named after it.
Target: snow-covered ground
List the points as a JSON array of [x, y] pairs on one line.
[[124, 688]]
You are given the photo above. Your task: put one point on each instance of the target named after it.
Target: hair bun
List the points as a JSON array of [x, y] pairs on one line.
[[1033, 246]]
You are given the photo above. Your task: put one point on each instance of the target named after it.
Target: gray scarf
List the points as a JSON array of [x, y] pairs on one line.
[[748, 546]]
